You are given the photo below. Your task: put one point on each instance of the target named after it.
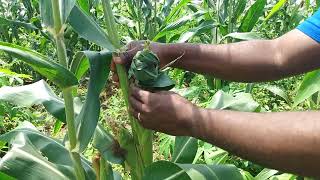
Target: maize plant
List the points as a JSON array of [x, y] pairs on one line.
[[33, 155]]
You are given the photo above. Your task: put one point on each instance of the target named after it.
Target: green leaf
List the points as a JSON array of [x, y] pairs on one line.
[[185, 150], [7, 22], [79, 65], [240, 102], [145, 70], [203, 27], [168, 170], [5, 177], [275, 9], [43, 65], [215, 157], [265, 174], [175, 11], [240, 7], [212, 172], [165, 170], [309, 86], [65, 9], [88, 29], [177, 24], [252, 16], [41, 152], [283, 177], [35, 94], [279, 92], [243, 36], [46, 11], [87, 120], [84, 5], [106, 144]]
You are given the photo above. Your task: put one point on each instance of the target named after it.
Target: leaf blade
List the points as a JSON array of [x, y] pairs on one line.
[[43, 65]]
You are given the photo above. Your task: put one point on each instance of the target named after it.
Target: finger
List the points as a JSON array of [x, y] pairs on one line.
[[115, 77], [141, 95], [119, 60], [135, 104], [134, 113], [113, 66]]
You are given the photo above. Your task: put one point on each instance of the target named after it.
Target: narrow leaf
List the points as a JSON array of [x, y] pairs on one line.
[[203, 27], [7, 22], [275, 9], [88, 29], [252, 16], [279, 92], [51, 70], [241, 5], [243, 36], [265, 174], [309, 86], [177, 24]]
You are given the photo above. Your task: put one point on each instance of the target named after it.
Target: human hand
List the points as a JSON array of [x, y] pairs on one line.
[[163, 111], [133, 47]]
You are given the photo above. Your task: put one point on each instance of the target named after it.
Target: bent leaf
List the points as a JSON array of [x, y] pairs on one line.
[[43, 65], [185, 149], [106, 144], [23, 161], [240, 102], [265, 174], [27, 134], [173, 171], [212, 172], [87, 120], [243, 36], [279, 92], [35, 94], [146, 72]]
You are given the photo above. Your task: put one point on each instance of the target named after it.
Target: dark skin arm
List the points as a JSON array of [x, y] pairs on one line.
[[249, 61], [286, 141]]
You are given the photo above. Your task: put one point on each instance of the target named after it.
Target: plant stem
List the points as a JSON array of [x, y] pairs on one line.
[[67, 93], [142, 137]]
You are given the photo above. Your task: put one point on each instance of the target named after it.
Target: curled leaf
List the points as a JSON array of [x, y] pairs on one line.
[[145, 69]]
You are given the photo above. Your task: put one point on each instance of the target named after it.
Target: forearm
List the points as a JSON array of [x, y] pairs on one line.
[[250, 61], [285, 141]]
